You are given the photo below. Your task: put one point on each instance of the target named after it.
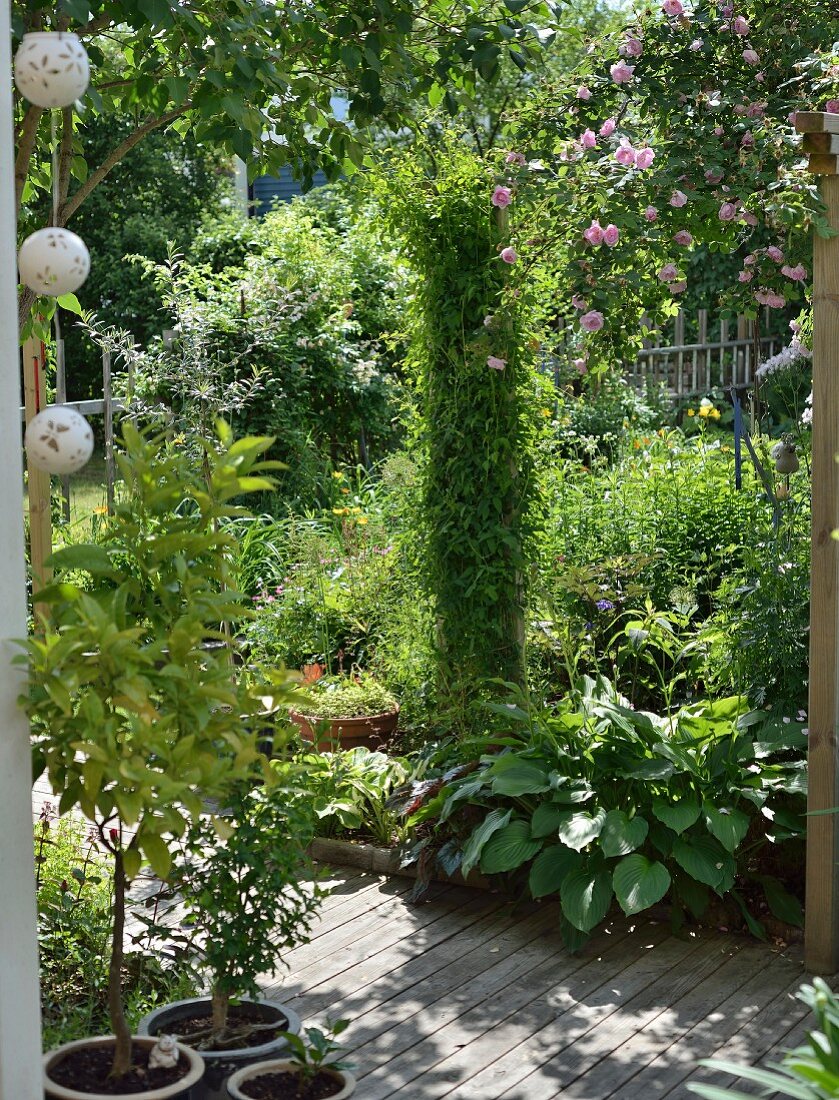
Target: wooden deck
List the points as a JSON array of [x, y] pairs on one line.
[[465, 996]]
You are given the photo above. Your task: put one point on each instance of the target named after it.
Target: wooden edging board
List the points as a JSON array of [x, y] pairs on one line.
[[382, 861]]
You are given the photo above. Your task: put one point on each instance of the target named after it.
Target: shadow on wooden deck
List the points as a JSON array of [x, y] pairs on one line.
[[467, 996]]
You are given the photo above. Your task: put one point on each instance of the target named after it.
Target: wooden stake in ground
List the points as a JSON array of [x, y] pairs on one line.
[[40, 520], [822, 903]]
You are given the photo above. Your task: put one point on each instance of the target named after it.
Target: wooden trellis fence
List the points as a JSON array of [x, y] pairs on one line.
[[719, 358]]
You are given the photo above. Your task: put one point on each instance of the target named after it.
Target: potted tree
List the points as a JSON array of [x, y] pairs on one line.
[[311, 1071], [249, 896], [134, 720], [348, 712]]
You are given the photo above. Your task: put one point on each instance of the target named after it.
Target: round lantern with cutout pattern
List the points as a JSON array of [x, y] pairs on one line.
[[51, 68], [58, 440], [53, 261]]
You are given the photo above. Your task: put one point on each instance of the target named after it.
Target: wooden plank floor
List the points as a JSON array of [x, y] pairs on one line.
[[466, 996]]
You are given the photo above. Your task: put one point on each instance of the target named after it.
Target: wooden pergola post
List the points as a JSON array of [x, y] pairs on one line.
[[821, 937], [20, 1024], [40, 489]]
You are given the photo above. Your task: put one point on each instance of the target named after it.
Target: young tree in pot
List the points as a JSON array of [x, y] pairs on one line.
[[135, 722], [247, 888]]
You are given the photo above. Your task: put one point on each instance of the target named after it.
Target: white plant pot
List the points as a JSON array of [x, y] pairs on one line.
[[168, 1092], [58, 440], [282, 1065], [51, 68], [53, 261]]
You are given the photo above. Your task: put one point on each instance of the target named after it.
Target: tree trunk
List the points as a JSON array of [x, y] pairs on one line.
[[220, 1002], [119, 1025]]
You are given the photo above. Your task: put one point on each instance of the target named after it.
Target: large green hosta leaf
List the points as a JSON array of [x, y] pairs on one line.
[[639, 883], [509, 848], [586, 896], [550, 868], [621, 835], [494, 820]]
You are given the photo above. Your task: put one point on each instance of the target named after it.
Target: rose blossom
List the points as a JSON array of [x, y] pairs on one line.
[[678, 198], [621, 73], [516, 158], [644, 158], [712, 176], [727, 212], [798, 274], [592, 321], [509, 255], [581, 365], [770, 298], [745, 276], [749, 219], [760, 77], [750, 57], [774, 253], [588, 139], [625, 154], [668, 273], [583, 92], [495, 363], [651, 213], [630, 47], [697, 44], [608, 128], [594, 233], [750, 259], [672, 7], [747, 140], [610, 235], [502, 196], [740, 25], [578, 302], [832, 106], [683, 237], [677, 288]]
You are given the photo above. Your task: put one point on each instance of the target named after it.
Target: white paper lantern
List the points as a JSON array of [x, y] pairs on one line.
[[59, 440], [53, 261], [51, 68]]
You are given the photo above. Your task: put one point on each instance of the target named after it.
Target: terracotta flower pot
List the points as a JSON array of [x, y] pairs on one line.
[[370, 732], [234, 1085], [221, 1064], [178, 1090]]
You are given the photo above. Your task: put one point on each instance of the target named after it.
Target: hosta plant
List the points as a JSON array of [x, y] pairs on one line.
[[597, 802]]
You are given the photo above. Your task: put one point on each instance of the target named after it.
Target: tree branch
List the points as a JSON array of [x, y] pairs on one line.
[[69, 208], [65, 156], [26, 146]]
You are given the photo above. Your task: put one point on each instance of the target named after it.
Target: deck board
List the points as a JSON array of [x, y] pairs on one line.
[[468, 998]]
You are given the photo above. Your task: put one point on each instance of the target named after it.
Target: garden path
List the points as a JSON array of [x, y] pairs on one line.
[[466, 996]]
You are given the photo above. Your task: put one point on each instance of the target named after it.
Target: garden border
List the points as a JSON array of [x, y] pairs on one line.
[[383, 861]]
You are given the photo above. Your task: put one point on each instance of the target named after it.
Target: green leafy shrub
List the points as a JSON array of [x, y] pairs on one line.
[[355, 696], [600, 419], [595, 802]]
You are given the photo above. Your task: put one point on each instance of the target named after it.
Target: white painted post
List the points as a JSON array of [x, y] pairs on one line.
[[20, 1022]]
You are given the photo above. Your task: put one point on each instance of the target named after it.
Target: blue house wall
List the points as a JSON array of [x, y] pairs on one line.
[[268, 190]]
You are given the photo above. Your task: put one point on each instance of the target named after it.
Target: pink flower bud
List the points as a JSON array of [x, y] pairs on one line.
[[630, 47], [774, 253], [745, 276], [672, 7], [668, 273], [509, 255]]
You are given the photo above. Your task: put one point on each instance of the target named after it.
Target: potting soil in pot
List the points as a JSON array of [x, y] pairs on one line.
[[238, 1016], [87, 1070], [283, 1086]]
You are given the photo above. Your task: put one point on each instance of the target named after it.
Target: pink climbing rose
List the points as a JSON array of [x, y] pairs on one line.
[[588, 139], [697, 44], [621, 73], [581, 365], [578, 302], [509, 254], [515, 158], [594, 233], [610, 235], [592, 321], [608, 128], [651, 213], [751, 57], [798, 274], [645, 157], [740, 25], [745, 276], [672, 7], [774, 253], [750, 259], [502, 196], [713, 176], [727, 212], [677, 288], [770, 298], [668, 273], [583, 92], [683, 237], [678, 198], [494, 363], [631, 47], [625, 154]]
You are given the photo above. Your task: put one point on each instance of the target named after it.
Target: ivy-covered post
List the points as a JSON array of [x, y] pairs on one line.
[[821, 944], [20, 1023], [476, 435]]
